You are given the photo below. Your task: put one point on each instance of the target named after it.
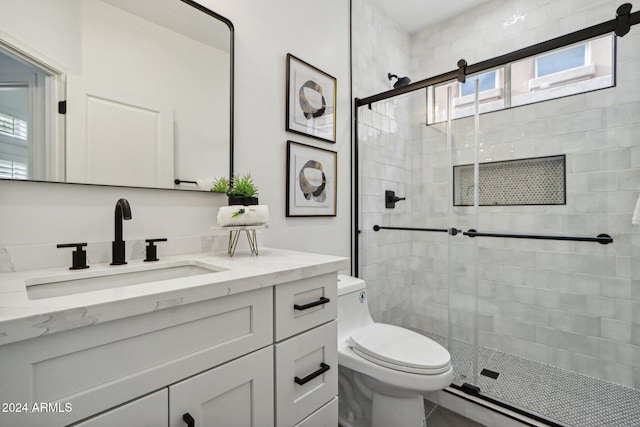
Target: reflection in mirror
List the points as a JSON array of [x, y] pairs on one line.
[[120, 92]]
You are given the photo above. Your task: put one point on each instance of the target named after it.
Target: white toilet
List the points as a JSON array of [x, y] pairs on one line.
[[384, 370]]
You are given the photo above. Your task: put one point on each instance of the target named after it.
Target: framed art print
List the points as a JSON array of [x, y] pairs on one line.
[[311, 100], [311, 180]]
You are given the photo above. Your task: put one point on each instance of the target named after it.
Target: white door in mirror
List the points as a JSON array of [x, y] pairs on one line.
[[118, 138]]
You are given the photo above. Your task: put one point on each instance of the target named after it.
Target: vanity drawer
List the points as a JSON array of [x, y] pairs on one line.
[[306, 373], [305, 304], [150, 410], [327, 416]]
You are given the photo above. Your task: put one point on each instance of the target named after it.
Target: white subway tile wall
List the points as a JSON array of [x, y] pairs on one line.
[[570, 304]]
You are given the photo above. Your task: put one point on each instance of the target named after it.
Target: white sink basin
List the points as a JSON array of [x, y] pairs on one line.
[[118, 277]]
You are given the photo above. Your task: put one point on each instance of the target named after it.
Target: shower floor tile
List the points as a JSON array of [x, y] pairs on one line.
[[559, 394]]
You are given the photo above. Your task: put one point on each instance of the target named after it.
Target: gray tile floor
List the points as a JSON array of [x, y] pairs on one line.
[[438, 416], [561, 395]]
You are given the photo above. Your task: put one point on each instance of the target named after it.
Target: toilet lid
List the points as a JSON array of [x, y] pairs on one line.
[[399, 348]]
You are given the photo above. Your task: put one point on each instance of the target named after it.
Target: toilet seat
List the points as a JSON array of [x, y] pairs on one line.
[[400, 349]]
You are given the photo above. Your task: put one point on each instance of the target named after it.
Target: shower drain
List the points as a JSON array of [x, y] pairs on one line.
[[489, 373]]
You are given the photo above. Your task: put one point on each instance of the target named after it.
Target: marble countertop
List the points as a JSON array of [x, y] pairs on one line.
[[23, 318]]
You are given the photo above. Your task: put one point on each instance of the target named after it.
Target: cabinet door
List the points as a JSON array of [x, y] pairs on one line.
[[147, 411], [238, 393]]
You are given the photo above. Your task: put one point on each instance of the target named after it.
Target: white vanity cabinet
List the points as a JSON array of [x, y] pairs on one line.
[[260, 351]]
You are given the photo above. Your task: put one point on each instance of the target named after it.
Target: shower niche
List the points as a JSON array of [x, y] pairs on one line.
[[534, 181]]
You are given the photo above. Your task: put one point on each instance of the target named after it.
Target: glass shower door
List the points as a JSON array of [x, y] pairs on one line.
[[554, 303], [459, 109]]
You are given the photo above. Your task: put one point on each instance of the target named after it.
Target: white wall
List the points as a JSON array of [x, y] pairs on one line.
[[317, 33], [39, 213]]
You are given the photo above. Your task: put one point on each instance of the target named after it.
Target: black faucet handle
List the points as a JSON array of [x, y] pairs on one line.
[[79, 255], [152, 250], [390, 199]]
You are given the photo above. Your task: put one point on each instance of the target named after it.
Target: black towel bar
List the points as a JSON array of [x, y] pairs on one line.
[[452, 231], [603, 239]]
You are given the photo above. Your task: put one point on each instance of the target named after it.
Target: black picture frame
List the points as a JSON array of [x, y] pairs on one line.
[[311, 181], [311, 100]]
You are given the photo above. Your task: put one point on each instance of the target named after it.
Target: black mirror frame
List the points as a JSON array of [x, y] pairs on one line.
[[229, 24]]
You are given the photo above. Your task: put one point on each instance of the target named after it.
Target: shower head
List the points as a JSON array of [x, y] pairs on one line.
[[402, 81]]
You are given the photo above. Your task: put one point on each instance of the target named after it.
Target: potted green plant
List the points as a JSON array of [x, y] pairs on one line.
[[242, 191], [220, 185]]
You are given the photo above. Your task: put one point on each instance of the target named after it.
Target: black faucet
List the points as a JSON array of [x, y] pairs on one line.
[[123, 211]]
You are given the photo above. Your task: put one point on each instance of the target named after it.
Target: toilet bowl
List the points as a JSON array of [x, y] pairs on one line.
[[384, 369]]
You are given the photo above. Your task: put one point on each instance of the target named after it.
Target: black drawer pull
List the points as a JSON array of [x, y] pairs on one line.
[[321, 301], [187, 418], [323, 368]]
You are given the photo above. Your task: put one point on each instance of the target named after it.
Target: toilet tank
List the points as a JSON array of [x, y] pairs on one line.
[[353, 310]]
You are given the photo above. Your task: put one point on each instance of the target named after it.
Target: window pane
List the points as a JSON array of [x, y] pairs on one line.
[[563, 60], [13, 127], [12, 170], [491, 97], [440, 107], [487, 82]]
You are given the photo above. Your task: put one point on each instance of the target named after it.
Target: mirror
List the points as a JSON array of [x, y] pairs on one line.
[[135, 93]]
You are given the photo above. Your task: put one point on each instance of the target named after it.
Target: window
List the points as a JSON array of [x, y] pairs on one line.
[[14, 147], [13, 126], [580, 68], [13, 170]]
